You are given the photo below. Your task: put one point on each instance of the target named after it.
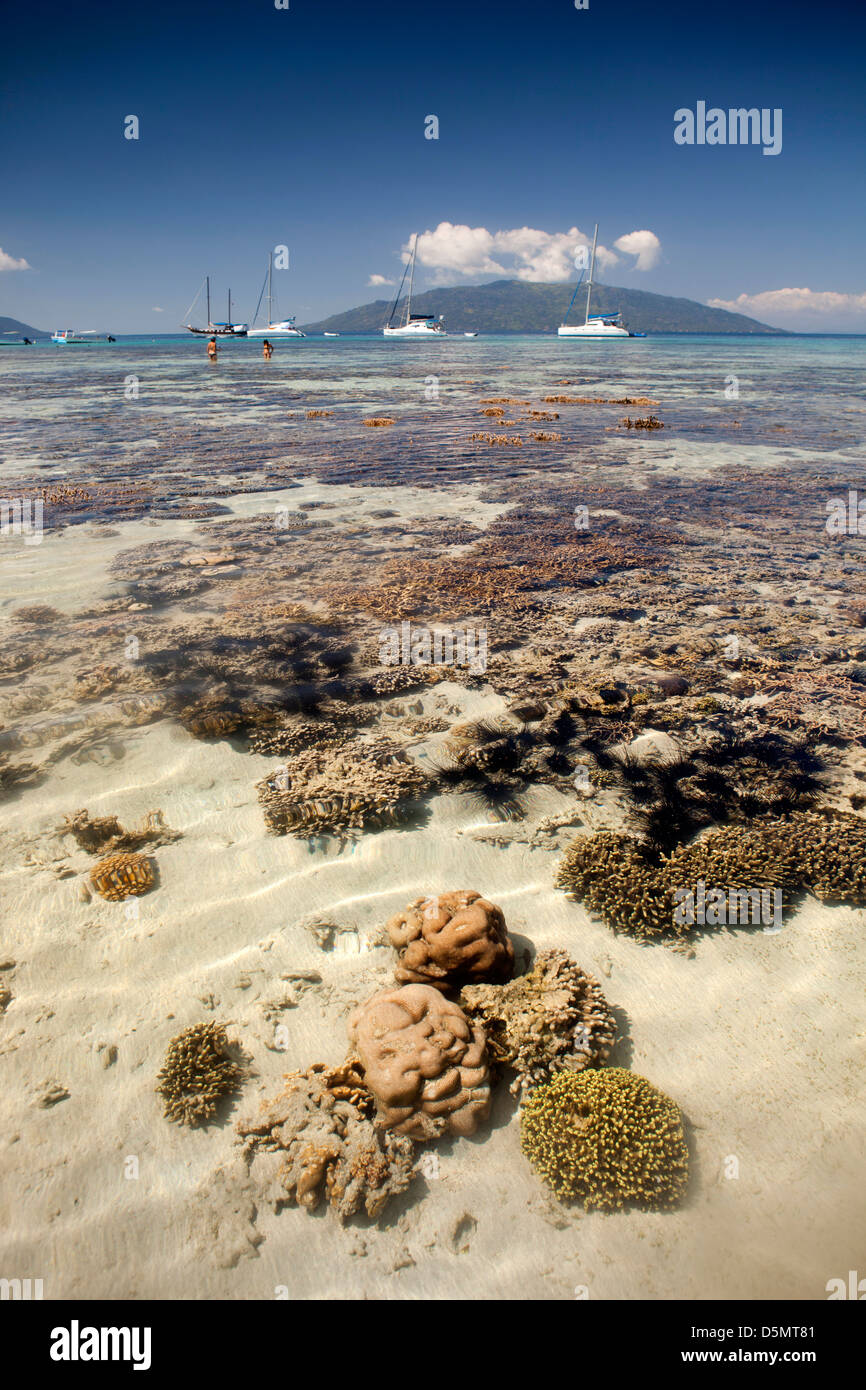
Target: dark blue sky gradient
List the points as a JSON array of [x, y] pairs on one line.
[[305, 127]]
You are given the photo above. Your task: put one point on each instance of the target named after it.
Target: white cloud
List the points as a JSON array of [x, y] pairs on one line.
[[379, 280], [777, 303], [156, 309], [645, 245], [8, 262], [522, 253]]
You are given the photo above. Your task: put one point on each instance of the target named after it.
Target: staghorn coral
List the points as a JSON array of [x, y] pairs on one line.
[[362, 786], [122, 876], [607, 1139], [424, 1061], [617, 877], [555, 1018], [632, 887], [322, 1122], [824, 852], [451, 939], [197, 1073]]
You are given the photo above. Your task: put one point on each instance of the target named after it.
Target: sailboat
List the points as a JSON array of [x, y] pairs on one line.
[[595, 325], [276, 328], [414, 325], [215, 330]]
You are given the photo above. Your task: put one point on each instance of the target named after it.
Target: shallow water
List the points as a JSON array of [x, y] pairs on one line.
[[757, 1036]]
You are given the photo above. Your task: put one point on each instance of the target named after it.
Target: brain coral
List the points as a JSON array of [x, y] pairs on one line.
[[606, 1139], [551, 1019], [424, 1061], [451, 939]]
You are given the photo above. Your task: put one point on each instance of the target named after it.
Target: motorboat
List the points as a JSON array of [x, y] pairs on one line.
[[68, 337]]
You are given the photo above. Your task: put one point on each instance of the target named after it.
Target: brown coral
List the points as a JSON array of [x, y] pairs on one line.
[[321, 1122], [451, 939], [320, 790], [122, 876], [105, 834], [424, 1061], [198, 1071], [555, 1018]]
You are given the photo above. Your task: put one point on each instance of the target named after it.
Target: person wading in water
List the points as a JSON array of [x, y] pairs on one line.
[[267, 350], [212, 349]]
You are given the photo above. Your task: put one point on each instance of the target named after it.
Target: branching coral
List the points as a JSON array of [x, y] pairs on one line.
[[424, 1061], [555, 1018], [321, 1121], [632, 887], [606, 1139], [451, 939], [197, 1073]]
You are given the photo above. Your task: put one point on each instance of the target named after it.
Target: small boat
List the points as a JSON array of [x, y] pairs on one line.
[[470, 335], [332, 335], [215, 330], [276, 328], [415, 325], [69, 337], [594, 325]]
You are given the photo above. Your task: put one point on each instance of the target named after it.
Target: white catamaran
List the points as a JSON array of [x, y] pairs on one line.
[[215, 330], [414, 325], [595, 325], [276, 328]]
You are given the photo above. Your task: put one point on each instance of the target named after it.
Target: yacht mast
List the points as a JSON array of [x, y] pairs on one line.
[[591, 271], [411, 280], [270, 270], [207, 278]]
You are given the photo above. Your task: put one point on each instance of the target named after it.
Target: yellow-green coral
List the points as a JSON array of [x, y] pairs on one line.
[[197, 1073], [607, 1139], [632, 889]]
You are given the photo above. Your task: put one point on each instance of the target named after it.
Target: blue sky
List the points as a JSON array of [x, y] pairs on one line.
[[305, 127]]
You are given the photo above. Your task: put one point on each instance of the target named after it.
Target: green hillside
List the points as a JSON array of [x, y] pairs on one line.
[[13, 330], [515, 306]]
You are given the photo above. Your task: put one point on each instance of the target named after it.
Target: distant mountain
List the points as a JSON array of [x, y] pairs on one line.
[[516, 306], [12, 328]]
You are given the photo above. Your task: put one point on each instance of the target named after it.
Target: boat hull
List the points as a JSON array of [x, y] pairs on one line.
[[410, 331], [587, 330], [276, 331]]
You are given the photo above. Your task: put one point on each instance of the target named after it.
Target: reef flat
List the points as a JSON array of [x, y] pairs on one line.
[[657, 680]]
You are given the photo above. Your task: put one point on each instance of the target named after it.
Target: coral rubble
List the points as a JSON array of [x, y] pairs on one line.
[[197, 1073], [555, 1018], [424, 1061], [321, 1121], [451, 939], [606, 1139], [105, 834]]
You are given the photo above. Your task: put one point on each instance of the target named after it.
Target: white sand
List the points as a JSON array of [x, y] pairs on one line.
[[759, 1038]]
